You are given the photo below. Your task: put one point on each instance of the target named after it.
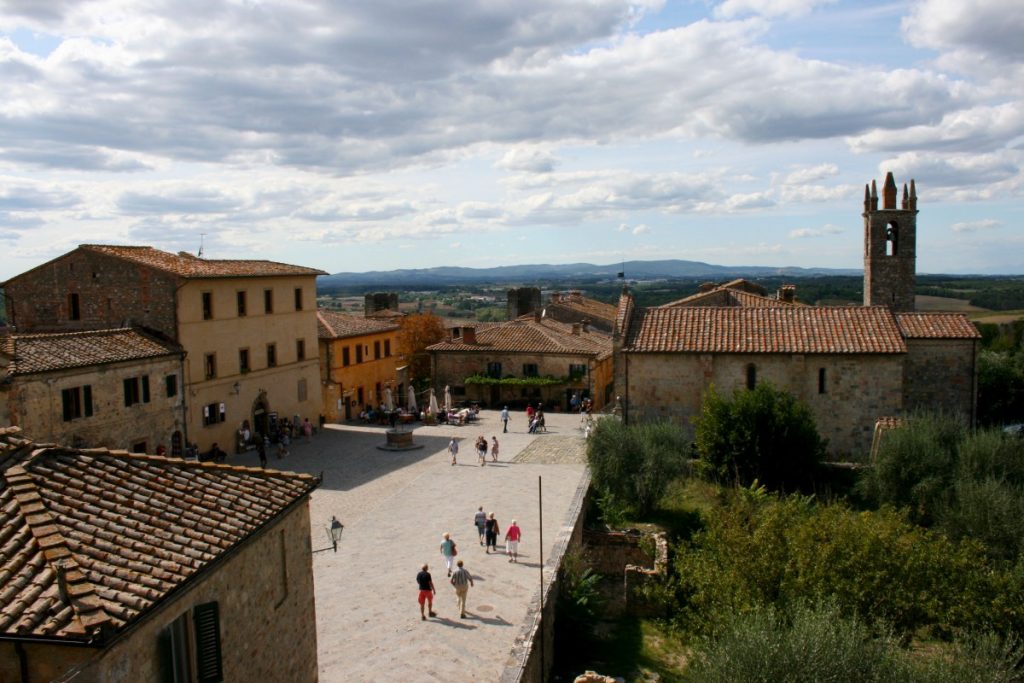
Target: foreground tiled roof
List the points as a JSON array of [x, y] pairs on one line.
[[188, 266], [527, 335], [125, 530], [43, 352], [790, 329], [936, 326], [335, 325]]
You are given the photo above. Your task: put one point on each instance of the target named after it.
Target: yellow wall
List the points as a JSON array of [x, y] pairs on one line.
[[343, 382], [227, 332]]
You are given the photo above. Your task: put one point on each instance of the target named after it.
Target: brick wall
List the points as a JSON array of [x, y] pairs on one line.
[[941, 375], [267, 614], [110, 291]]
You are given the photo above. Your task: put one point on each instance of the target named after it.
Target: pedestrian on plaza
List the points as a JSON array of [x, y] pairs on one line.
[[307, 428], [494, 449], [491, 531], [529, 413], [481, 450], [448, 550], [504, 419], [512, 536], [480, 519], [427, 592], [261, 449], [453, 448], [462, 580]]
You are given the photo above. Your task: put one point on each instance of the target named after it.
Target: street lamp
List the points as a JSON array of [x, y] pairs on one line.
[[334, 531]]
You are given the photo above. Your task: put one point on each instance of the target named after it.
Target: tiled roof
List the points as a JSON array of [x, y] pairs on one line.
[[186, 265], [790, 329], [936, 326], [125, 530], [46, 351], [726, 296], [527, 335], [335, 325], [589, 307]]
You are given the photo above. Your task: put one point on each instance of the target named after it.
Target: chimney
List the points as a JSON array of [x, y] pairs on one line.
[[576, 329], [585, 326], [556, 297], [787, 293], [456, 333], [537, 315], [469, 335], [62, 581], [707, 286]]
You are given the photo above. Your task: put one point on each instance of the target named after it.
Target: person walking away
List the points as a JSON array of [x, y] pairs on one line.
[[462, 580], [427, 592], [494, 449], [480, 519], [307, 428], [448, 551], [491, 532], [504, 419], [453, 448], [261, 449], [512, 536]]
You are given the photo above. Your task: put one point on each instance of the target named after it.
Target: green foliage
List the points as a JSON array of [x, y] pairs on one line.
[[631, 465], [546, 381], [1000, 387], [817, 642], [759, 550], [765, 435]]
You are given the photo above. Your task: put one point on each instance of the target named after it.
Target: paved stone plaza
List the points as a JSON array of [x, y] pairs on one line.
[[395, 506]]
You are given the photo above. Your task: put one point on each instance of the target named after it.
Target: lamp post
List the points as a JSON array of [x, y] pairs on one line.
[[334, 530]]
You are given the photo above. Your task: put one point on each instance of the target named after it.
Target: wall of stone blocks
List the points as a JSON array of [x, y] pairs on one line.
[[941, 375], [111, 291], [35, 404], [267, 614], [858, 389]]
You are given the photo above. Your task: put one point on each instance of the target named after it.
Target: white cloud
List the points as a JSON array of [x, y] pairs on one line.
[[808, 175], [529, 160], [768, 8], [990, 27], [975, 226], [803, 233], [641, 229]]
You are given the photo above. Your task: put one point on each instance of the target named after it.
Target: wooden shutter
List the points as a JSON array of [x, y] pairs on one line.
[[87, 399], [128, 391], [209, 668], [145, 388], [69, 404]]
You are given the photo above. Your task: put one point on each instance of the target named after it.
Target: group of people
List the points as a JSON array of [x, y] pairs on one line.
[[458, 576], [535, 418], [481, 449]]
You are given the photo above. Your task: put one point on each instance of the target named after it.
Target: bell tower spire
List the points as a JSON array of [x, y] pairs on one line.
[[890, 247]]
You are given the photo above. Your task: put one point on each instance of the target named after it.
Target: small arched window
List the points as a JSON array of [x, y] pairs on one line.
[[892, 233], [751, 376], [821, 381]]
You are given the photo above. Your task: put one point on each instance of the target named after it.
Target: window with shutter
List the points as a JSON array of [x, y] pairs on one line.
[[145, 388], [209, 667]]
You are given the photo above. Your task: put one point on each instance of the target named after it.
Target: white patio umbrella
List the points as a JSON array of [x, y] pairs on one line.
[[433, 402], [447, 398], [389, 402], [410, 400]]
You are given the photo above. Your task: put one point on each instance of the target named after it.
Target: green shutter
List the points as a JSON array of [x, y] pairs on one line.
[[87, 399], [209, 668]]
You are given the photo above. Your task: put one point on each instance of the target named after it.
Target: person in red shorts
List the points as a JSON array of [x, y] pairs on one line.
[[427, 592]]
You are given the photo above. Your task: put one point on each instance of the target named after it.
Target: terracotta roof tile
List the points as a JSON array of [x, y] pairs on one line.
[[727, 296], [577, 303], [47, 351], [936, 326], [335, 325], [790, 329], [186, 265], [527, 335], [125, 529]]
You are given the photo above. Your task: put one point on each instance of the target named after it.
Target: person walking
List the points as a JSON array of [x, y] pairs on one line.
[[512, 535], [480, 519], [481, 450], [427, 592], [504, 419], [462, 580], [261, 449], [491, 532], [448, 551], [494, 449], [307, 429], [453, 448]]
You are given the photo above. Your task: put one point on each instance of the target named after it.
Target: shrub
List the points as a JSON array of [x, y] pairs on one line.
[[764, 434]]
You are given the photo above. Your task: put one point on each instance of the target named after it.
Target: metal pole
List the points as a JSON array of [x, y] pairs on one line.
[[540, 506]]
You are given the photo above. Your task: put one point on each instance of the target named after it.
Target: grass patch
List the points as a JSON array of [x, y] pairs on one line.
[[628, 647]]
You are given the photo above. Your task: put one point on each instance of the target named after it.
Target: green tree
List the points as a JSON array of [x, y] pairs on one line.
[[764, 434], [1000, 387]]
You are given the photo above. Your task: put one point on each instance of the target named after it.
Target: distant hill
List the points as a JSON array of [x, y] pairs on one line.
[[634, 270]]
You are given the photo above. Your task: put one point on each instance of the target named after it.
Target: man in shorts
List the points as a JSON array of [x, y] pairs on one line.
[[512, 536], [427, 592]]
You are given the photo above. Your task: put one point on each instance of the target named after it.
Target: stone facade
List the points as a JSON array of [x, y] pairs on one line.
[[941, 375], [376, 302], [267, 619], [522, 301], [890, 247]]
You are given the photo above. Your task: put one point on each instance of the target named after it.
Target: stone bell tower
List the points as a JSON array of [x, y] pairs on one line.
[[890, 246]]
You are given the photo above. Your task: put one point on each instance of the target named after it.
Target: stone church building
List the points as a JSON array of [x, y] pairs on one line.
[[850, 364]]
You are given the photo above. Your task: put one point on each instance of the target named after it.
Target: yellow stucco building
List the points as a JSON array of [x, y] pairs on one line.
[[358, 361]]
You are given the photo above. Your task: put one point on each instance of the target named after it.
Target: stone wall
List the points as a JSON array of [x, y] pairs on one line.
[[530, 661], [857, 388], [34, 403], [941, 375], [267, 615], [608, 552], [110, 292]]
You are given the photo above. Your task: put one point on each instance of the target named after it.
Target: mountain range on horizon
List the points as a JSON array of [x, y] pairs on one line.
[[633, 270]]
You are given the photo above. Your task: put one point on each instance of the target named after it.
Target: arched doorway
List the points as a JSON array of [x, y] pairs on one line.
[[261, 415]]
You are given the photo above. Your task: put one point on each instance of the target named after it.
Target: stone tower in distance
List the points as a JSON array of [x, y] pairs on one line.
[[890, 246]]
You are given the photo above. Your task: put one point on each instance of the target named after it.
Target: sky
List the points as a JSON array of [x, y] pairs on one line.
[[383, 134]]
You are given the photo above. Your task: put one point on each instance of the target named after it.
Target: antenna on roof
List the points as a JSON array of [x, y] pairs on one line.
[[201, 236]]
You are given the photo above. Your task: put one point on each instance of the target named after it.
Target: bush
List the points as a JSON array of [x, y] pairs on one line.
[[631, 465], [765, 435], [1000, 387]]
